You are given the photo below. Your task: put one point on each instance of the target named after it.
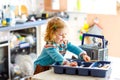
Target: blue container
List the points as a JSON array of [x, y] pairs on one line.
[[77, 60], [62, 69], [96, 69], [59, 69], [101, 69], [84, 68], [71, 70]]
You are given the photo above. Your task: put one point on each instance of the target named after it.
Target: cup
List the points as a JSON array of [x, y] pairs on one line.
[[8, 20]]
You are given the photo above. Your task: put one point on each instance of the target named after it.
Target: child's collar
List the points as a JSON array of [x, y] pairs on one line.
[[51, 44]]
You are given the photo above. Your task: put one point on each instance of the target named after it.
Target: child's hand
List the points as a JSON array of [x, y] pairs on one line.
[[66, 62], [86, 57], [74, 63]]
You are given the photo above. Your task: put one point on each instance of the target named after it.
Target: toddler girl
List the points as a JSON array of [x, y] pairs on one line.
[[56, 46]]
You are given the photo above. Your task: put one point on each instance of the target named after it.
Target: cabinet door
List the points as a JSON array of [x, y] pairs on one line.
[[55, 5]]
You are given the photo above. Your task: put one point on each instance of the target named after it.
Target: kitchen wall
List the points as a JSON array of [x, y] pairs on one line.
[[110, 23], [33, 6], [111, 31], [75, 22], [110, 28]]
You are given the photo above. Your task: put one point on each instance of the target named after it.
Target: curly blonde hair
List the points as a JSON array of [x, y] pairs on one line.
[[54, 25]]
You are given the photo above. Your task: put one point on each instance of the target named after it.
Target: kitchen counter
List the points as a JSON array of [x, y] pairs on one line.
[[23, 25], [50, 75]]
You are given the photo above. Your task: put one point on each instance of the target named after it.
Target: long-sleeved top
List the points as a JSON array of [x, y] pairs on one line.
[[51, 54]]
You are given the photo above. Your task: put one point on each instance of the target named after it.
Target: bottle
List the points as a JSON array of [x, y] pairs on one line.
[[11, 16], [7, 15], [3, 21], [4, 12], [1, 16]]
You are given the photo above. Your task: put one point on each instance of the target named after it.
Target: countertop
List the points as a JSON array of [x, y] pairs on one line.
[[23, 25], [50, 75]]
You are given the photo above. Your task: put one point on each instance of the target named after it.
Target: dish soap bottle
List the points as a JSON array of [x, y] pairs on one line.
[[11, 15]]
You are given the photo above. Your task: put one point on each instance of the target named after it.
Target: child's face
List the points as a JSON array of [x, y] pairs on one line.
[[60, 36]]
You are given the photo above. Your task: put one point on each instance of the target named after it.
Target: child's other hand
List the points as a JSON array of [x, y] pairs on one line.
[[67, 63], [74, 63], [86, 58]]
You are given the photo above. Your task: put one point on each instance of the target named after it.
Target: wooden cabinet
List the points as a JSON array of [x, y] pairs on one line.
[[55, 5]]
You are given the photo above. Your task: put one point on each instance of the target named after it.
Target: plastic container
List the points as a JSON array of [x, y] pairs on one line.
[[95, 69], [101, 69], [59, 69], [84, 68], [71, 70]]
